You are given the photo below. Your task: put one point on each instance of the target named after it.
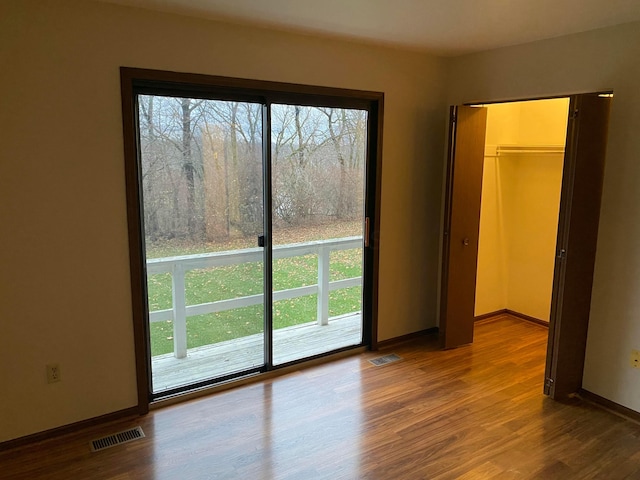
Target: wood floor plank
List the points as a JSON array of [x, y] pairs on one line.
[[475, 412]]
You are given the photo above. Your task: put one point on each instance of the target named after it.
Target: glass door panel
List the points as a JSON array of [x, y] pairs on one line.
[[201, 167], [318, 180]]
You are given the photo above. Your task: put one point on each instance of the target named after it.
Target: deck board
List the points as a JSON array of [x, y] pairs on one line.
[[291, 343]]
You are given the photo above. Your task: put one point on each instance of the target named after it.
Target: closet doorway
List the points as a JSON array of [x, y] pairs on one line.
[[521, 184], [542, 163]]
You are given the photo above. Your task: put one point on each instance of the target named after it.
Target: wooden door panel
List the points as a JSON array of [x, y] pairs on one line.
[[577, 239], [460, 256]]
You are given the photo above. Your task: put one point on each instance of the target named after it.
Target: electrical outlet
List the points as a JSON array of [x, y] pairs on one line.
[[634, 360], [53, 373]]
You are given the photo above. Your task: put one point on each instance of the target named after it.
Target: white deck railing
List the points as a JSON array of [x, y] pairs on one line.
[[178, 266]]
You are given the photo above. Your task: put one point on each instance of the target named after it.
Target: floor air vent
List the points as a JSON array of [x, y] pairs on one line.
[[386, 359], [117, 439]]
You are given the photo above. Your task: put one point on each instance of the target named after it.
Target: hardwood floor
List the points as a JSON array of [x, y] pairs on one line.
[[474, 412]]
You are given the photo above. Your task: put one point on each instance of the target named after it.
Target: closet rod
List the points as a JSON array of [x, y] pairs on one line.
[[497, 150]]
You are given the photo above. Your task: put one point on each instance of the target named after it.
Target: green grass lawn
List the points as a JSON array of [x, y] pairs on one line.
[[220, 283]]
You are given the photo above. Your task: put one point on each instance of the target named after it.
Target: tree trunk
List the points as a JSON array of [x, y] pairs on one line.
[[342, 207], [300, 187], [187, 167], [233, 180], [152, 227]]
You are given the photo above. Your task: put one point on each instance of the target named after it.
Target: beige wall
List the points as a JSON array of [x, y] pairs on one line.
[[65, 272], [519, 214], [591, 61]]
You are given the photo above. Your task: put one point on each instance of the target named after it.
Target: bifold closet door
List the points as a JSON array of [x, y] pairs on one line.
[[462, 224], [577, 240]]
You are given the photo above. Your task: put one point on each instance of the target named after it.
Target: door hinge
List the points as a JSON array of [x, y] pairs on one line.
[[261, 240], [574, 114], [548, 382], [562, 253], [454, 118]]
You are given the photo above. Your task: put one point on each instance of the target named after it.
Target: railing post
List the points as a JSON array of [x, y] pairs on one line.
[[179, 312], [324, 255]]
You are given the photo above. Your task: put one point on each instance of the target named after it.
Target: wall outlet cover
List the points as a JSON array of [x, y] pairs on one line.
[[53, 373], [634, 359]]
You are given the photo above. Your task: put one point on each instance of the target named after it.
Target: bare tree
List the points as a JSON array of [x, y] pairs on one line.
[[202, 166], [171, 160], [233, 132]]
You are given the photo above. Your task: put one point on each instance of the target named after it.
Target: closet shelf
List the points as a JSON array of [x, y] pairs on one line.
[[499, 150]]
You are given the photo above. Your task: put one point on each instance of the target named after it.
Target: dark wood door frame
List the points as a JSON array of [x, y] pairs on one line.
[[134, 81], [581, 194]]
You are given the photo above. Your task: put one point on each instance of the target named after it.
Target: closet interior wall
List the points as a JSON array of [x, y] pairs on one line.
[[524, 154]]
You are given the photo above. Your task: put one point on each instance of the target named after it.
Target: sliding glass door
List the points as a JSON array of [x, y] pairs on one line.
[[201, 166], [247, 207], [317, 178]]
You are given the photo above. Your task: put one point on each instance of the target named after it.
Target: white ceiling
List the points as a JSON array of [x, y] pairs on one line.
[[445, 27]]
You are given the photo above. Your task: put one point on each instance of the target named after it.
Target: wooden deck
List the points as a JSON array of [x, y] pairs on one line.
[[289, 344]]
